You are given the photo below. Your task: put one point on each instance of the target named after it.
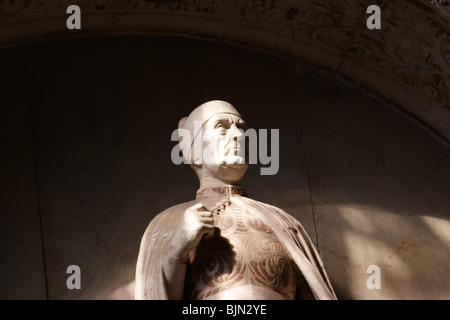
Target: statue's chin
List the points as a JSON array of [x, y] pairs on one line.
[[232, 172], [237, 166], [235, 162], [229, 172], [230, 169]]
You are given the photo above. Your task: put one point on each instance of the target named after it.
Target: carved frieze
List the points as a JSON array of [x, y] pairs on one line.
[[442, 5], [411, 50]]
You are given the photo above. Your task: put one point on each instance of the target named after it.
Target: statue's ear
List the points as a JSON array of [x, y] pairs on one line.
[[181, 123], [184, 140]]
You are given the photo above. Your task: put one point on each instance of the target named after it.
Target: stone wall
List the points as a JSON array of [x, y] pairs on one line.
[[86, 126]]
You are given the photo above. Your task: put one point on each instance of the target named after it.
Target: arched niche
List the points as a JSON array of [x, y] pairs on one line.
[[369, 182], [405, 64]]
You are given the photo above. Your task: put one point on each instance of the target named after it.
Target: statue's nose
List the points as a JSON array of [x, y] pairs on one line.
[[235, 132]]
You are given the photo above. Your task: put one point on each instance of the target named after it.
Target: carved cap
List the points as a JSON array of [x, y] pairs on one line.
[[201, 114]]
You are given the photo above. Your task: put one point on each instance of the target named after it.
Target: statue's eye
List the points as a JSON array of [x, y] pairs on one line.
[[220, 126], [241, 125]]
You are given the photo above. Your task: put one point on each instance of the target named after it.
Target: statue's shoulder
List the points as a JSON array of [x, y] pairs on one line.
[[175, 211], [266, 205], [165, 221], [169, 217], [273, 210]]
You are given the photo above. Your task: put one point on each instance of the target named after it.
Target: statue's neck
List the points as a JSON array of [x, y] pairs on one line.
[[211, 182]]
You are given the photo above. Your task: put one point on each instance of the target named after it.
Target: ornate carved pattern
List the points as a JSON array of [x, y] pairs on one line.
[[330, 23], [242, 251], [443, 5], [412, 48]]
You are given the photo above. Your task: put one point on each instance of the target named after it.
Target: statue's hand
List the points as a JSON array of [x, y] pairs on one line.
[[196, 222]]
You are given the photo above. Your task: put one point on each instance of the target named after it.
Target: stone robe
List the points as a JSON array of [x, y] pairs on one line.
[[150, 283]]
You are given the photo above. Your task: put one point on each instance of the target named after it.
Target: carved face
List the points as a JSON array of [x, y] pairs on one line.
[[224, 148]]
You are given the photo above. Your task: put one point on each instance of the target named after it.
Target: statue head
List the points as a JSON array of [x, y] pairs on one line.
[[216, 149]]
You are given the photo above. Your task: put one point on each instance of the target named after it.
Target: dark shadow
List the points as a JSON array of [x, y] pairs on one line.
[[215, 257]]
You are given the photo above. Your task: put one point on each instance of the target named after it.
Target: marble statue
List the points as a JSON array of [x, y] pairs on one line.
[[224, 245]]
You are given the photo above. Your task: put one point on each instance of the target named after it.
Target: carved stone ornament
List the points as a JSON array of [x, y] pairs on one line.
[[224, 245], [406, 63]]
